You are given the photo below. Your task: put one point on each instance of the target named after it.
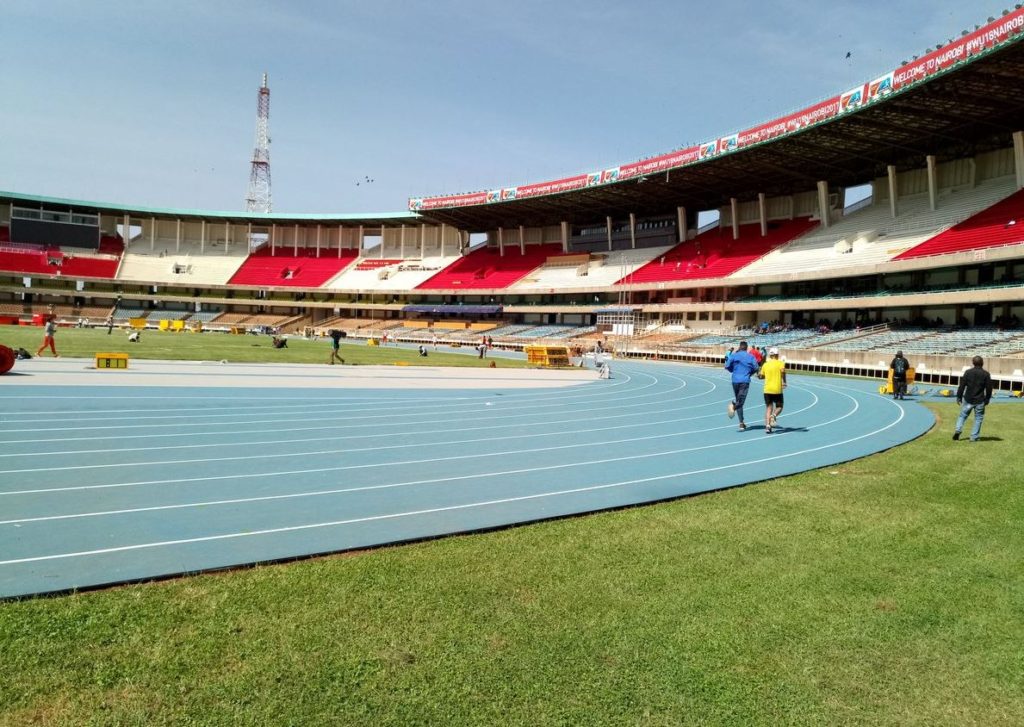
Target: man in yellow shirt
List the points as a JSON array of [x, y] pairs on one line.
[[774, 374]]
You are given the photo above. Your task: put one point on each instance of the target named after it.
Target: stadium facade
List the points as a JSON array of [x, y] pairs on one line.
[[939, 243]]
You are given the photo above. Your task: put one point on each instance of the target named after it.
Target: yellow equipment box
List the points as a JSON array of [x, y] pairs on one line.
[[548, 355], [111, 361]]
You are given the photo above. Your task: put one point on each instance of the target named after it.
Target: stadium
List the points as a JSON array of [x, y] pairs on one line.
[[888, 216]]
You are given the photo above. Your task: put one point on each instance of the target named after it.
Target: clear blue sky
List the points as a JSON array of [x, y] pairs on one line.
[[154, 103]]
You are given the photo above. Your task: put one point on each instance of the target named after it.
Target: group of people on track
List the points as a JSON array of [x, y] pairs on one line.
[[743, 365]]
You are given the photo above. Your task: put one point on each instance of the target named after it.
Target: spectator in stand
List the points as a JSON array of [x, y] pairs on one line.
[[974, 393], [742, 366], [899, 367], [49, 331], [758, 358]]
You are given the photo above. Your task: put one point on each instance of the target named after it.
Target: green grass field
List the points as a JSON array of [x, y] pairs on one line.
[[889, 590], [85, 342]]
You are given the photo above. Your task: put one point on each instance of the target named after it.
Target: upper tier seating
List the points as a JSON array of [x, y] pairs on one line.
[[603, 268], [56, 262], [186, 262], [285, 268], [396, 275], [1000, 224], [486, 268], [716, 254], [871, 236]]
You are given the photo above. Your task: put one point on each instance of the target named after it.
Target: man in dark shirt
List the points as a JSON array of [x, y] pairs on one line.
[[974, 392], [899, 367], [335, 337]]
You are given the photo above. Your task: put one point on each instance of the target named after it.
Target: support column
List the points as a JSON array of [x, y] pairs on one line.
[[681, 231], [295, 242], [823, 210], [762, 211], [423, 240], [501, 242], [565, 236], [248, 237], [202, 238], [382, 230], [152, 234], [932, 183], [734, 211], [608, 225], [401, 243], [632, 231], [522, 240], [126, 235], [177, 242], [341, 239], [894, 208], [360, 241], [318, 240], [1018, 157], [227, 236], [273, 238]]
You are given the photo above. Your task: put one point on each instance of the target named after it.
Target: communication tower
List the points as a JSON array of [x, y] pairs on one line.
[[258, 199]]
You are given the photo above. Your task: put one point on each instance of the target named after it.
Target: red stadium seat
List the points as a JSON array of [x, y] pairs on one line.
[[1000, 224], [486, 268]]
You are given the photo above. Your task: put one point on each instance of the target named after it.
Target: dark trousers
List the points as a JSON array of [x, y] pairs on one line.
[[740, 392]]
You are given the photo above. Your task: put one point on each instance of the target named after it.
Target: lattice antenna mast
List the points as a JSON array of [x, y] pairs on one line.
[[258, 199]]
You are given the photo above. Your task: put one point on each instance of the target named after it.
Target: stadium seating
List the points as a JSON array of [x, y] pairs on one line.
[[870, 236], [1000, 224], [56, 262], [285, 268], [397, 275], [602, 269], [715, 254], [486, 268]]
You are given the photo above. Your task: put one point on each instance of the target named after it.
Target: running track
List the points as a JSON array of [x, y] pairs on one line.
[[105, 484]]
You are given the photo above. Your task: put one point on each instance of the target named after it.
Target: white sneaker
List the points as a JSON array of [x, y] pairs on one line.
[[772, 420], [731, 409]]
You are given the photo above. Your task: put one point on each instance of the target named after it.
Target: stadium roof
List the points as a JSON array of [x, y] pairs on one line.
[[369, 219], [970, 106]]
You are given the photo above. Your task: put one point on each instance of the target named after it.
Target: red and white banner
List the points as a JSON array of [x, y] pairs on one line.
[[981, 40], [959, 50]]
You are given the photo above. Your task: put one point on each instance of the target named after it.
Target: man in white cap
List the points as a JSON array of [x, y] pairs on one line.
[[773, 371]]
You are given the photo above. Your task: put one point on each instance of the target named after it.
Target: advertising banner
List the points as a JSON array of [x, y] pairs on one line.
[[961, 49], [787, 124], [659, 163], [559, 185]]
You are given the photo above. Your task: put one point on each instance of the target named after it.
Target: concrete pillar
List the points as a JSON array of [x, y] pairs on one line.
[[177, 241], [423, 240], [522, 240], [565, 236], [608, 225], [273, 239], [359, 241], [501, 242], [152, 234], [441, 239], [401, 243], [202, 238], [823, 211], [318, 240], [341, 239], [762, 213], [932, 183], [126, 224], [894, 209], [1018, 157], [227, 235], [681, 231], [632, 231], [295, 242], [734, 209], [382, 230]]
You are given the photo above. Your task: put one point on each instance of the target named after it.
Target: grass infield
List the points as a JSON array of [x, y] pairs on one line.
[[209, 346], [889, 590]]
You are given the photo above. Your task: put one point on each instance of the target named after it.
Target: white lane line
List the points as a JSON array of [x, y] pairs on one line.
[[450, 508], [461, 457], [407, 412], [638, 403]]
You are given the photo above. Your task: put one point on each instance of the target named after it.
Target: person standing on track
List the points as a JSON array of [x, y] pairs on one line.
[[974, 393], [774, 374], [899, 367], [335, 336], [49, 331], [742, 366]]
